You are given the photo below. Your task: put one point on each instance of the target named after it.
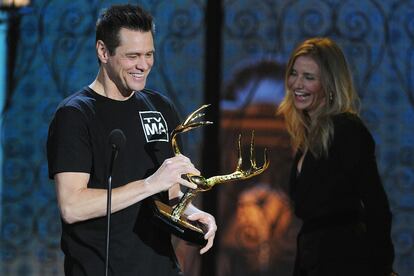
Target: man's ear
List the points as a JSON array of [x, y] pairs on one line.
[[102, 51]]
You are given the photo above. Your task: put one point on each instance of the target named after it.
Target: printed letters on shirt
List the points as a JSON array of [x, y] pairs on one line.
[[154, 126]]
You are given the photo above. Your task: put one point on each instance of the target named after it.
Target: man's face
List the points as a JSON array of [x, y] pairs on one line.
[[129, 67]]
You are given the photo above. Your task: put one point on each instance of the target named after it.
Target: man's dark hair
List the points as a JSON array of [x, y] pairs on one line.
[[127, 16]]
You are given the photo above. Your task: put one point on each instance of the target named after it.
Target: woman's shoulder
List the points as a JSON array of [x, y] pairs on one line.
[[348, 121], [346, 118], [350, 126]]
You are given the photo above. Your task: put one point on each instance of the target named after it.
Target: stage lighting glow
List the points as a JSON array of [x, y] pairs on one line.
[[14, 3]]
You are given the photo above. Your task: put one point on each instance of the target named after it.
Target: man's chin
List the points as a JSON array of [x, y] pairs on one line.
[[137, 87]]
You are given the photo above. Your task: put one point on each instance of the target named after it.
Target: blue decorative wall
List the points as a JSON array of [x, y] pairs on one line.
[[56, 56], [378, 39]]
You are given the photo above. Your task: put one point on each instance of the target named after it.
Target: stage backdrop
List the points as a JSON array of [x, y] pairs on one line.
[[378, 39], [55, 57]]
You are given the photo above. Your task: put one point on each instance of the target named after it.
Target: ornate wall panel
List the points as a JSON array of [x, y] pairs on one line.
[[56, 57], [378, 39]]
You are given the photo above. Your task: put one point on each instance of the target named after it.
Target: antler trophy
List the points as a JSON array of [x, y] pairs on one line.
[[173, 217]]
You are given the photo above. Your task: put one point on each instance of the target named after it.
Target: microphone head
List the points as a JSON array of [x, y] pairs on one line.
[[117, 139]]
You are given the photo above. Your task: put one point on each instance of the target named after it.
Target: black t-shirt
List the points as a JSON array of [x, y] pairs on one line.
[[78, 142]]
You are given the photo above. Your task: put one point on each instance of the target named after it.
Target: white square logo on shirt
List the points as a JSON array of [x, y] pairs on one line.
[[154, 126]]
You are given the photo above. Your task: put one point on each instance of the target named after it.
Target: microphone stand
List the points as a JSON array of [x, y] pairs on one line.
[[108, 206]]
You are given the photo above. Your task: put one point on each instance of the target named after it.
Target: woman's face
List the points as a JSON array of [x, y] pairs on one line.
[[304, 82]]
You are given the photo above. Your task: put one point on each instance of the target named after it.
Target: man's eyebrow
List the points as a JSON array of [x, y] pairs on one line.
[[139, 53]]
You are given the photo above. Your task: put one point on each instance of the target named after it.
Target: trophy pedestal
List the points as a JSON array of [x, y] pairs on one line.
[[191, 231]]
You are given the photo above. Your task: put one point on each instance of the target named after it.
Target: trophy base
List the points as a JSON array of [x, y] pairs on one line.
[[183, 228]]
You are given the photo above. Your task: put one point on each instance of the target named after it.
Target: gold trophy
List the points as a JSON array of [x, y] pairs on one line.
[[173, 218]]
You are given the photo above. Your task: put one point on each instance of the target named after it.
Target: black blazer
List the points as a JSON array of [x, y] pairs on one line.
[[342, 202]]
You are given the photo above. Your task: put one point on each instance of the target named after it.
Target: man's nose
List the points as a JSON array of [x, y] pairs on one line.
[[143, 63]]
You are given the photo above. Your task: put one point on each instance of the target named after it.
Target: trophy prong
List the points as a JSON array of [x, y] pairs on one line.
[[266, 159], [239, 154], [252, 152], [195, 114], [239, 173], [188, 124]]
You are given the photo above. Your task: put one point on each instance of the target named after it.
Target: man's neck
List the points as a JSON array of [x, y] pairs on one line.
[[105, 87]]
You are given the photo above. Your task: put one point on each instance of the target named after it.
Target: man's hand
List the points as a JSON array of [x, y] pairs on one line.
[[208, 220], [170, 174]]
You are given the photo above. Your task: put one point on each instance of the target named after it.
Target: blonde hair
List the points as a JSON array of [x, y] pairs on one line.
[[315, 135]]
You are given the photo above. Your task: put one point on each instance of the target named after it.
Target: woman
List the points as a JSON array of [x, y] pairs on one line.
[[335, 186]]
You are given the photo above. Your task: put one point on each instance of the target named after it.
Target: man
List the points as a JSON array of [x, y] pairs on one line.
[[79, 155]]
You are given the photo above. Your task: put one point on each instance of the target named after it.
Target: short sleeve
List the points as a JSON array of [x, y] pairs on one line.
[[68, 146]]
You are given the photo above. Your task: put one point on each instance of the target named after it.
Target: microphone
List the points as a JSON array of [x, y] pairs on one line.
[[116, 141]]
